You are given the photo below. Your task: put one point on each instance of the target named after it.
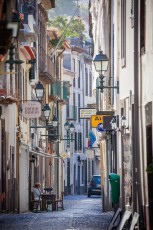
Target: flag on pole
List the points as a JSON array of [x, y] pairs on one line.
[[91, 139]]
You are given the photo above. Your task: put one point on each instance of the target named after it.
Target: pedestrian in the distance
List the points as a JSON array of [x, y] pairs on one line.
[[37, 191]]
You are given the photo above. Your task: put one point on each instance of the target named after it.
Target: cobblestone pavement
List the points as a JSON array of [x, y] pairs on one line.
[[80, 213]]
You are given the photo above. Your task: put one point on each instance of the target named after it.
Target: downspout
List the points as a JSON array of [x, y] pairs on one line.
[[136, 162]]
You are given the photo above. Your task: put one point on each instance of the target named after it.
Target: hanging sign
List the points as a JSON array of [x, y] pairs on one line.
[[95, 120], [31, 109], [85, 113]]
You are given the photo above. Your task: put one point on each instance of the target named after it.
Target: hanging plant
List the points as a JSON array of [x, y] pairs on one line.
[[149, 169]]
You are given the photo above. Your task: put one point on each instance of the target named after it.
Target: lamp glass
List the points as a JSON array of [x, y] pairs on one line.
[[67, 126], [39, 91], [101, 62], [113, 123], [55, 121], [72, 128], [123, 121], [47, 111]]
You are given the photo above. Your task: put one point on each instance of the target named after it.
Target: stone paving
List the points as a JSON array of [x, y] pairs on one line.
[[80, 213]]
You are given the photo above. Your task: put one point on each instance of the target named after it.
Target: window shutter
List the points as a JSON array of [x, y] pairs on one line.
[[76, 141]]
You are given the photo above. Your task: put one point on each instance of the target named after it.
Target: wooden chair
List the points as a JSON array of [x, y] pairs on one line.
[[59, 202], [115, 219], [35, 203]]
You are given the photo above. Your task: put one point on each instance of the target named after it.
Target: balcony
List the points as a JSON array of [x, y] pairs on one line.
[[29, 31], [59, 91], [9, 92], [46, 69]]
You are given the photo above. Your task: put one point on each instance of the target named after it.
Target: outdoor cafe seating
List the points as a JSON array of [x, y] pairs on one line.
[[48, 198]]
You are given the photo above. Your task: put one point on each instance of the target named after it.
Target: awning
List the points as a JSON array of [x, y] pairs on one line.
[[43, 154], [28, 52]]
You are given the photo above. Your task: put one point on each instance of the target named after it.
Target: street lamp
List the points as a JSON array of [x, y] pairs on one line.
[[72, 128], [47, 110], [101, 62], [101, 65], [54, 121], [39, 90], [124, 122], [114, 123], [66, 126]]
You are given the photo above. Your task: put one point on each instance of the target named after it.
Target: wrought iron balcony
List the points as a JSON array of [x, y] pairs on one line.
[[46, 69]]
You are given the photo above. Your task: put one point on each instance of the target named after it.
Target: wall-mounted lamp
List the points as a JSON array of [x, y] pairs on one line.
[[115, 123], [101, 65], [101, 62], [39, 90], [70, 128], [11, 60], [124, 122], [47, 110], [55, 121]]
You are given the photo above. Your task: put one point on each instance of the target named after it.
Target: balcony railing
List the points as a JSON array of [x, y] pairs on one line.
[[46, 69]]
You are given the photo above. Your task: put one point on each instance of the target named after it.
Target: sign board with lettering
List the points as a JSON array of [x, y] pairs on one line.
[[31, 109], [86, 113], [95, 120]]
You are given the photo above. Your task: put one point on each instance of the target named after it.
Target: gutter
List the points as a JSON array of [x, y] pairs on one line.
[[137, 203]]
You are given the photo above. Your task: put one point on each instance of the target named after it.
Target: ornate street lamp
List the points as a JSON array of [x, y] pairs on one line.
[[39, 90], [11, 61], [124, 122], [72, 128], [55, 121], [47, 110], [67, 126], [101, 62], [114, 123], [101, 65]]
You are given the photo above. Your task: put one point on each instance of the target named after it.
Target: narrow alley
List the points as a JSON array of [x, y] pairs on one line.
[[80, 213]]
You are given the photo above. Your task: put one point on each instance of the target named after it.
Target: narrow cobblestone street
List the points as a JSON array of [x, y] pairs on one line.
[[80, 213]]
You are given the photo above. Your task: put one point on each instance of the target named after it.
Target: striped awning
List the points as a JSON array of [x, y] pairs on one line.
[[28, 52]]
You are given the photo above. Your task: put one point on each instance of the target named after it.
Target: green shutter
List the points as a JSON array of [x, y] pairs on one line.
[[76, 142]]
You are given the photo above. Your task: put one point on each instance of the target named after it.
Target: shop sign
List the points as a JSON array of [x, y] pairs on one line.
[[86, 113], [31, 109]]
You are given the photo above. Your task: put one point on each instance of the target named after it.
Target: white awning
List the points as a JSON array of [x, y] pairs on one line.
[[43, 154]]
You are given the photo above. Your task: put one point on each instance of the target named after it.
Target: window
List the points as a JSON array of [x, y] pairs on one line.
[[123, 32], [132, 13], [86, 79], [90, 84], [76, 142], [67, 108], [74, 71], [79, 141], [78, 74], [79, 105], [87, 128], [142, 25]]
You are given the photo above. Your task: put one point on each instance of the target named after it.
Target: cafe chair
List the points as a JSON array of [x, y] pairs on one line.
[[59, 202]]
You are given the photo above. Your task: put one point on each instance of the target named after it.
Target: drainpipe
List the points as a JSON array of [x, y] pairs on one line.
[[137, 203]]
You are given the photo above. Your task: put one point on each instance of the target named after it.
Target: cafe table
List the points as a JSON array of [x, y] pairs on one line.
[[46, 199]]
